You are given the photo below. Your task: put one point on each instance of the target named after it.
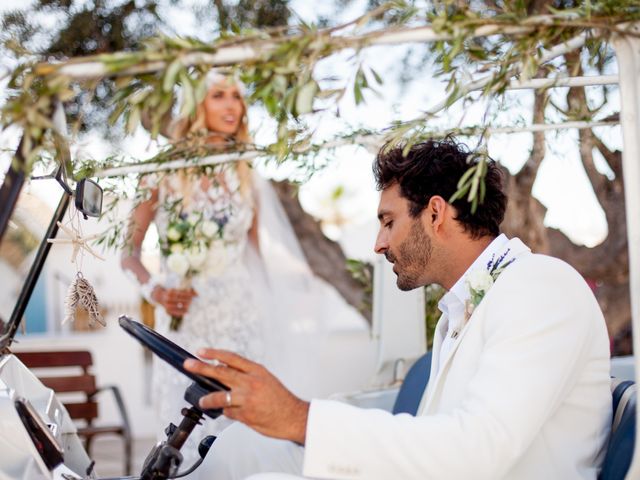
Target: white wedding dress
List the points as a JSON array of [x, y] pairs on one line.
[[224, 314]]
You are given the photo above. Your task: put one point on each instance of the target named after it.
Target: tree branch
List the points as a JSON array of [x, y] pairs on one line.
[[527, 175], [223, 17], [613, 159]]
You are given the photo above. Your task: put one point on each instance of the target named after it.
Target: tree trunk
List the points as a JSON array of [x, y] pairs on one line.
[[525, 214], [606, 266]]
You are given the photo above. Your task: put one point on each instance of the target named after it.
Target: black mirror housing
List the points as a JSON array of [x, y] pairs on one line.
[[89, 198]]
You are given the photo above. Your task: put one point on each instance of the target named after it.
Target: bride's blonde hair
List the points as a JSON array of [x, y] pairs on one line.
[[191, 125]]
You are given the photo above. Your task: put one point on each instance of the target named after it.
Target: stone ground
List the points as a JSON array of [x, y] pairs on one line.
[[108, 453]]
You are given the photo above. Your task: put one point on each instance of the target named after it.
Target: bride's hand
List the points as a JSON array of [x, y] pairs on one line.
[[175, 301]]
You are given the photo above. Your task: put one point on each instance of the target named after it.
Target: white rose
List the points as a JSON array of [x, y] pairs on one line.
[[196, 257], [178, 263], [216, 259], [193, 218], [177, 248], [210, 229], [480, 280], [173, 234]]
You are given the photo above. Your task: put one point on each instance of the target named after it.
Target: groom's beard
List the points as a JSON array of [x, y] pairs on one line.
[[412, 260]]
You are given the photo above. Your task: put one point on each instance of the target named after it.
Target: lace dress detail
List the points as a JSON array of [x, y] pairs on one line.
[[224, 313]]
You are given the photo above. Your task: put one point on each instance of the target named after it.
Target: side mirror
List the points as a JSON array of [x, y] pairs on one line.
[[89, 198]]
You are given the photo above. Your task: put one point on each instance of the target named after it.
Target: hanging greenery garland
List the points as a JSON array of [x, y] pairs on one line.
[[279, 66]]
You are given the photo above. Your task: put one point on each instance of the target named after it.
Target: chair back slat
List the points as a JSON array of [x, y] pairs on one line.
[[87, 411], [71, 358], [69, 384]]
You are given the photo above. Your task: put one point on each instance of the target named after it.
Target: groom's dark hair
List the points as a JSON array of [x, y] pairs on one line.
[[435, 167]]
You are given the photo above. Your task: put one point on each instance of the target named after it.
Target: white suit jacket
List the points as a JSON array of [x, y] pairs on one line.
[[523, 394]]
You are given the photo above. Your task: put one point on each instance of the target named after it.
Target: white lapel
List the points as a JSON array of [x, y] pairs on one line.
[[440, 373], [513, 249], [438, 338]]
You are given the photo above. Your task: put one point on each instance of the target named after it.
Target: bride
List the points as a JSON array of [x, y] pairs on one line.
[[255, 293], [218, 305]]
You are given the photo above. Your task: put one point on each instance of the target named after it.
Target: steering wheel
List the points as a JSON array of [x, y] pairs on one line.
[[167, 351]]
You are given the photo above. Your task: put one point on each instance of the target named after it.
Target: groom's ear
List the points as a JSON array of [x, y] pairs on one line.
[[435, 213]]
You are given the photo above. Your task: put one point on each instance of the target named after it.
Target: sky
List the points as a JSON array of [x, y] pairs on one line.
[[561, 185]]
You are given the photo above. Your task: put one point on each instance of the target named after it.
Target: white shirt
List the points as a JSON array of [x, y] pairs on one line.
[[452, 304]]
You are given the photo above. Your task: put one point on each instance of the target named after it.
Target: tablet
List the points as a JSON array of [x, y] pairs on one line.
[[168, 351]]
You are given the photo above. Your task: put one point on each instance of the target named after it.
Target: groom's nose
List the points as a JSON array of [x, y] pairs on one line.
[[381, 244]]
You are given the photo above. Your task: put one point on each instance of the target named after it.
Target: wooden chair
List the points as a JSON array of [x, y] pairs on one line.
[[76, 387]]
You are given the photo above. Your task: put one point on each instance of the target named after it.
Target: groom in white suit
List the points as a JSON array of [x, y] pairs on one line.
[[519, 383]]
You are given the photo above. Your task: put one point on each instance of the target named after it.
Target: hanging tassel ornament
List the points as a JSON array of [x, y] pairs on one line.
[[81, 293]]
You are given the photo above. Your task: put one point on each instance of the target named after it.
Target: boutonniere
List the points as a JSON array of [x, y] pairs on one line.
[[480, 280]]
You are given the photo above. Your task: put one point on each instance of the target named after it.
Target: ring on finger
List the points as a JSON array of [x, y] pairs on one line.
[[227, 397]]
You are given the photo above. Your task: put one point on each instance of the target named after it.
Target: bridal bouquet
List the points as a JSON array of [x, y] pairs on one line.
[[193, 245]]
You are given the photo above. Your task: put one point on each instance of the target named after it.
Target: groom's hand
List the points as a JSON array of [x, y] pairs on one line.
[[257, 398]]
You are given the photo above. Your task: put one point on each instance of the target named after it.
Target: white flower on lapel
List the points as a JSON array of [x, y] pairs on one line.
[[480, 280]]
